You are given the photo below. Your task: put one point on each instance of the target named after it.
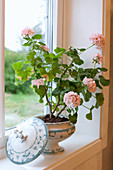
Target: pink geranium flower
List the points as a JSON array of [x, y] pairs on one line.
[[72, 99], [90, 83], [98, 40], [45, 47], [27, 31], [37, 82], [98, 58]]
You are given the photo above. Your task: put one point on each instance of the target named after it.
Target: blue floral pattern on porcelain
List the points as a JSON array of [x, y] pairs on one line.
[[24, 152]]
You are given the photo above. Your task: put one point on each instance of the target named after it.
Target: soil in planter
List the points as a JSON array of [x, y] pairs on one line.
[[47, 119]]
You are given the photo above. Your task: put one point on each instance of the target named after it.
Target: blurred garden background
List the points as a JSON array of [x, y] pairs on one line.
[[20, 101]]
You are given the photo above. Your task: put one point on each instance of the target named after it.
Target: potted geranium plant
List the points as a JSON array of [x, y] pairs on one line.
[[74, 84]]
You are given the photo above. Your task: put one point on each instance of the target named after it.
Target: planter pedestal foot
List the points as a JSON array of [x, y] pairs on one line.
[[53, 148]]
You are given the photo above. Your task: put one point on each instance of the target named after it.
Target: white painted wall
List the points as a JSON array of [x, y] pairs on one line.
[[81, 19]]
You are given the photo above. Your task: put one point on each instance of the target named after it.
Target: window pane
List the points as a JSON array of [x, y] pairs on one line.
[[20, 101]]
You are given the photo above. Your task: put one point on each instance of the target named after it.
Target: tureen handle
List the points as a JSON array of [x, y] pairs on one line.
[[20, 135]]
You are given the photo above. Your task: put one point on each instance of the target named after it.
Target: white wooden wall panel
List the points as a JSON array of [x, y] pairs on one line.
[[81, 19]]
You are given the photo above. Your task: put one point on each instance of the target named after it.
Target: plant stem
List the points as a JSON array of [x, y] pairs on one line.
[[58, 99], [56, 105], [49, 105], [86, 107], [93, 96], [94, 65], [87, 48], [61, 110], [60, 62], [90, 46]]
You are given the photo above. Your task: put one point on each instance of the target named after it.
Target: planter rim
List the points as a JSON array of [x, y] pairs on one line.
[[54, 123]]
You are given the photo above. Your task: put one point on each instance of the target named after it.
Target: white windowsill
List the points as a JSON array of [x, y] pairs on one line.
[[72, 144]]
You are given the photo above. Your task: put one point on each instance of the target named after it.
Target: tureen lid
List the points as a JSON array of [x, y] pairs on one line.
[[27, 141]]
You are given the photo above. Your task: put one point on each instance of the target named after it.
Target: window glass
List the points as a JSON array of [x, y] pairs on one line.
[[20, 101]]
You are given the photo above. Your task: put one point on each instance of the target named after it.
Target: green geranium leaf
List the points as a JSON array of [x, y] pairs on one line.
[[82, 49], [87, 95], [39, 60], [57, 109], [18, 65], [73, 118], [42, 71], [41, 43], [102, 69], [81, 101], [52, 55], [41, 91], [55, 68], [73, 73], [58, 50], [41, 100], [28, 71], [37, 36], [79, 88], [26, 38], [99, 99], [98, 84], [56, 91], [104, 81], [76, 109], [78, 61], [31, 55], [72, 52], [27, 44], [49, 60], [65, 76], [89, 116], [56, 79], [92, 72], [60, 54], [36, 46], [65, 65], [50, 75]]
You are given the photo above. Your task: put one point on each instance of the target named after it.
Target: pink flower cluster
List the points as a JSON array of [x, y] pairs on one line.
[[72, 99], [98, 40], [45, 47], [37, 82], [98, 58], [90, 83], [27, 31]]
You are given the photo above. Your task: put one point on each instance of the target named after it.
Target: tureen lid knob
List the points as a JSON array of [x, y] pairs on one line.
[[20, 135]]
